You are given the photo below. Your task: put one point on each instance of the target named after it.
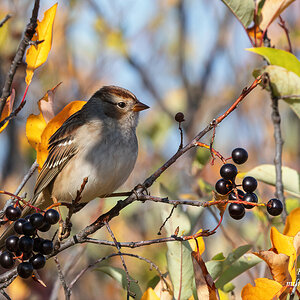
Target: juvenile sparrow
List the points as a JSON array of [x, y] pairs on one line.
[[98, 142]]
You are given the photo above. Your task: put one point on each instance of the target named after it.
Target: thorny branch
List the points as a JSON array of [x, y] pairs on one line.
[[28, 34], [138, 194]]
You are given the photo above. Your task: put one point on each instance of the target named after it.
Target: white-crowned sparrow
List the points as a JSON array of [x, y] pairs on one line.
[[98, 142]]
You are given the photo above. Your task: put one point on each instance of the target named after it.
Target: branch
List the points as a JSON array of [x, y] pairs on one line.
[[152, 264], [6, 18], [278, 151], [28, 34], [61, 277], [286, 31]]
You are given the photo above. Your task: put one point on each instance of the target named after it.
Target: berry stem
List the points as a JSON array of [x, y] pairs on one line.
[[212, 150]]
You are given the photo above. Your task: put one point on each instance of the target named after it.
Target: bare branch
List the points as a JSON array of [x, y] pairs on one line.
[[61, 276], [28, 34]]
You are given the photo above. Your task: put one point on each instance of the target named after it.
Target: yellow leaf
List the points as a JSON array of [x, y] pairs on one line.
[[271, 10], [7, 109], [37, 54], [52, 126], [36, 124], [285, 244], [200, 241], [150, 295], [292, 224], [264, 289]]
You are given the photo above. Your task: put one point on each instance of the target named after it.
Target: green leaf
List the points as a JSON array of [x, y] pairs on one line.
[[279, 58], [243, 10], [179, 259], [284, 83], [238, 267], [219, 264], [120, 276], [290, 177]]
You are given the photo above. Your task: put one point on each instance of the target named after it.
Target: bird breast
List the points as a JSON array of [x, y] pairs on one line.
[[107, 163]]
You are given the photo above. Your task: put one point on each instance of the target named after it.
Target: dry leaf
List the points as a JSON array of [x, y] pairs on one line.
[[271, 10], [278, 264], [37, 54], [285, 244], [205, 285]]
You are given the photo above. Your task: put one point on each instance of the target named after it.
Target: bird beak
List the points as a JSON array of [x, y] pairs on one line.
[[139, 106]]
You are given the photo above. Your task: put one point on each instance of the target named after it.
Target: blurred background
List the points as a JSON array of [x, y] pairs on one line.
[[174, 55]]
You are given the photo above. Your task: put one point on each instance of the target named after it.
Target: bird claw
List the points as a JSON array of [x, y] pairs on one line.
[[143, 189]]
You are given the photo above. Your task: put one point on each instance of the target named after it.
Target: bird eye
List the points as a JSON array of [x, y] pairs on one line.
[[121, 104]]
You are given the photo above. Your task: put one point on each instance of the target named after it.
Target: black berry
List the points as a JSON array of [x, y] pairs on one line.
[[28, 229], [249, 184], [18, 226], [38, 261], [25, 269], [45, 227], [46, 247], [274, 207], [25, 244], [236, 211], [11, 243], [250, 197], [7, 260], [37, 244], [223, 186], [179, 117], [51, 216], [232, 195], [36, 220], [13, 213], [239, 155], [228, 171]]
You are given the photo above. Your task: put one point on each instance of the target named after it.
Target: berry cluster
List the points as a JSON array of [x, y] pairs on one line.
[[29, 248], [227, 186]]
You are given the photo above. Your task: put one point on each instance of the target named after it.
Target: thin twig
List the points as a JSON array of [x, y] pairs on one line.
[[129, 293], [283, 26], [61, 276], [6, 18], [5, 294], [19, 188], [28, 34], [117, 254], [167, 218]]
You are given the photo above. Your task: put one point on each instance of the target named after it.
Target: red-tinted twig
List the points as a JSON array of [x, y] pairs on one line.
[[212, 150], [283, 26]]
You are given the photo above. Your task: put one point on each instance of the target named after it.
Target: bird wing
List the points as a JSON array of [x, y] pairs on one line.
[[62, 147]]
